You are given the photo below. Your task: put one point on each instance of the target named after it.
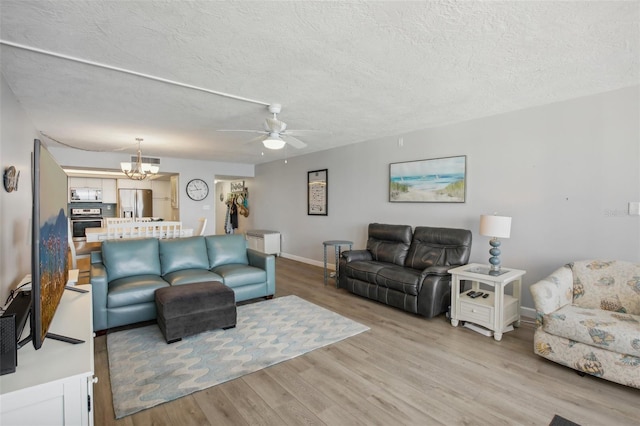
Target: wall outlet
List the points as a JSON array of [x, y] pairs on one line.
[[634, 208]]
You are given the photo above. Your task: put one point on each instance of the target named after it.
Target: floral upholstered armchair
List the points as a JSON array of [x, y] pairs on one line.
[[588, 318]]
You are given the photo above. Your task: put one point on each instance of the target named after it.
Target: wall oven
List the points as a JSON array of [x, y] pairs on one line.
[[82, 219]]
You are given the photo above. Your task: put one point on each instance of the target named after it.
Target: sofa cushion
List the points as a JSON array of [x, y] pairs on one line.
[[389, 243], [236, 275], [188, 276], [134, 290], [614, 331], [126, 258], [183, 253], [363, 270], [399, 278], [438, 246], [225, 249], [611, 285]]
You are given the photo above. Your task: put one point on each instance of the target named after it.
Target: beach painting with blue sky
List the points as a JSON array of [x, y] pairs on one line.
[[438, 180]]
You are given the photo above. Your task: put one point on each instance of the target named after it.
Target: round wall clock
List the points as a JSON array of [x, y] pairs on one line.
[[197, 189]]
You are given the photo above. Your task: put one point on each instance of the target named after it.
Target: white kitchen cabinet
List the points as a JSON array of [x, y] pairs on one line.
[[109, 191], [54, 385], [264, 241], [81, 182]]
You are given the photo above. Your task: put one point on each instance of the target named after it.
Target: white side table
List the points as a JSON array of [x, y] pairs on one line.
[[496, 312]]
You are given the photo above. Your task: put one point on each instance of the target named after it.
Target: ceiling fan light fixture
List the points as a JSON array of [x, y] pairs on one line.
[[273, 142]]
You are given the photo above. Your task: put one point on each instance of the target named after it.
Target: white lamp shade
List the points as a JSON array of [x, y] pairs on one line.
[[273, 143], [154, 169], [126, 167], [495, 226]]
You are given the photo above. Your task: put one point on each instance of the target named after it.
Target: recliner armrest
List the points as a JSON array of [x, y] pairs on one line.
[[439, 270], [354, 255]]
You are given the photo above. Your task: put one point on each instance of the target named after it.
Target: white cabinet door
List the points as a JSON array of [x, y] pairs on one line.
[[255, 243], [80, 182], [109, 193]]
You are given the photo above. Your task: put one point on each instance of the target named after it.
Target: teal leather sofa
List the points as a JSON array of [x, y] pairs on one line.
[[126, 273]]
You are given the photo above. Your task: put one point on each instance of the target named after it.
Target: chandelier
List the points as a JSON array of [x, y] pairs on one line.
[[138, 170]]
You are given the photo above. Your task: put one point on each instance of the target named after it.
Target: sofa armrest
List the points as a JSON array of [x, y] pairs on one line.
[[552, 292], [354, 255], [434, 295], [439, 270], [99, 290], [266, 262]]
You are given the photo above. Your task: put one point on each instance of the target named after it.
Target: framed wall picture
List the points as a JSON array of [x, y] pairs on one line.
[[437, 180], [317, 196]]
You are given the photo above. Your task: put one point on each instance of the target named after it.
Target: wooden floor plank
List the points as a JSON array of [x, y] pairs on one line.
[[406, 370], [218, 408]]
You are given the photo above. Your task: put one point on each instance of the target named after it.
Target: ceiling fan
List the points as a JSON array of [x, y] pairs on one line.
[[275, 132]]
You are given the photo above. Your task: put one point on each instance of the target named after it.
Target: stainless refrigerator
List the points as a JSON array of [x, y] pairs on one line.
[[135, 202]]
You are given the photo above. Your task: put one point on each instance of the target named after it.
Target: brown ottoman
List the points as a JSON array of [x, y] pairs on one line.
[[188, 309]]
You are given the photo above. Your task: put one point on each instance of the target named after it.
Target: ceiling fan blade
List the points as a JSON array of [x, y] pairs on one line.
[[256, 139], [246, 131], [296, 143], [299, 131], [274, 125]]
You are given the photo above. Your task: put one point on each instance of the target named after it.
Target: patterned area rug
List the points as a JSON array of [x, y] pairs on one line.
[[145, 371]]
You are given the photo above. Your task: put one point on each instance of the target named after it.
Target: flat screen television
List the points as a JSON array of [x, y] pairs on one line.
[[49, 244]]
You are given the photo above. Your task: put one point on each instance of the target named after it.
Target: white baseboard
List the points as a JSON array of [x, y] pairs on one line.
[[527, 312], [331, 265]]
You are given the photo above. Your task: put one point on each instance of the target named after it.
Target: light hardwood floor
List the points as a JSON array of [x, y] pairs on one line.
[[406, 370]]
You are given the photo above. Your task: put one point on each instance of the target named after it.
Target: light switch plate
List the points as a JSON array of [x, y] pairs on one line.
[[634, 208]]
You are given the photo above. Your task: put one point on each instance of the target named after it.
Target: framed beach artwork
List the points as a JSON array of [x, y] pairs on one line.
[[437, 180], [317, 192]]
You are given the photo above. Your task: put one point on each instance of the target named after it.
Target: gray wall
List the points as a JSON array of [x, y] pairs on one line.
[[565, 172], [16, 144]]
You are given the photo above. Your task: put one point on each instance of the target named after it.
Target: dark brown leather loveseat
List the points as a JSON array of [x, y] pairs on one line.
[[405, 269]]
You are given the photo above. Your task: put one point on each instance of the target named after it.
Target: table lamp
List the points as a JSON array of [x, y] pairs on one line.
[[495, 227]]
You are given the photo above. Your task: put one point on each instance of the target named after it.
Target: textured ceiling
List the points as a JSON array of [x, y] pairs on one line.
[[357, 70]]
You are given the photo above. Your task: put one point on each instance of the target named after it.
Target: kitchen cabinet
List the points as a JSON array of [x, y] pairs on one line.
[[109, 191], [81, 182]]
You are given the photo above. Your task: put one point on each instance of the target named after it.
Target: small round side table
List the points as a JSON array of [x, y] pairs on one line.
[[336, 244]]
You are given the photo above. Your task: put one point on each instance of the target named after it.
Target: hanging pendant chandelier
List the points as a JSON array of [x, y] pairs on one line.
[[139, 170]]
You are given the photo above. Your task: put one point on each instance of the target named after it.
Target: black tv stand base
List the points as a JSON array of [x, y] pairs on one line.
[[64, 338], [72, 288]]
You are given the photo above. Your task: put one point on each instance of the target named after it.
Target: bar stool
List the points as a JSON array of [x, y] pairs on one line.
[[336, 244]]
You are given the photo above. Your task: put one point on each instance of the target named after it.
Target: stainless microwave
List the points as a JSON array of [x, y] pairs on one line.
[[85, 195]]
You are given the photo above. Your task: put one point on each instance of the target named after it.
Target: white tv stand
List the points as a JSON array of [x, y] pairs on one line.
[[54, 385]]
